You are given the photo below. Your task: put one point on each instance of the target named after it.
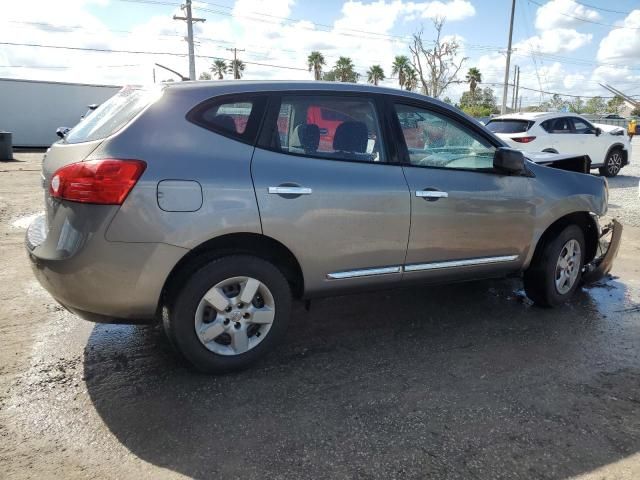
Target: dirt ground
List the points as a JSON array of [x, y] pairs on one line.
[[465, 381]]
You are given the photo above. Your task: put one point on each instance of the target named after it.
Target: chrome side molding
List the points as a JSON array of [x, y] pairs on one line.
[[459, 263], [364, 273], [420, 267]]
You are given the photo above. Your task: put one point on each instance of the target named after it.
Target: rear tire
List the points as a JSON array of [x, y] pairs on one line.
[[554, 273], [612, 164], [217, 329]]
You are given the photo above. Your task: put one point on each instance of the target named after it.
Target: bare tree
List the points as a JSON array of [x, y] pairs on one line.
[[438, 66]]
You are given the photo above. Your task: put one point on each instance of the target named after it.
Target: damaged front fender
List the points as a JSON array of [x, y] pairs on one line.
[[609, 244]]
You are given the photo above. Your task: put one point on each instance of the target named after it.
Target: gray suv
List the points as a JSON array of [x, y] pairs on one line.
[[211, 205]]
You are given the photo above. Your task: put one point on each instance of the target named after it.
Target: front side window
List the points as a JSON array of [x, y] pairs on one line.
[[336, 128], [233, 117], [580, 126], [434, 140]]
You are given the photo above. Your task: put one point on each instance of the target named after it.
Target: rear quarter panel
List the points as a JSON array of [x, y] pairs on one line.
[[176, 149]]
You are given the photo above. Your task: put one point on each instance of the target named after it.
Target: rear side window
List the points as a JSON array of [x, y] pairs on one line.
[[509, 126], [336, 128], [113, 114], [237, 117]]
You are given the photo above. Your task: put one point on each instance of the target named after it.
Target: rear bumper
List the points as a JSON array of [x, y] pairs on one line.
[[602, 264], [97, 279]]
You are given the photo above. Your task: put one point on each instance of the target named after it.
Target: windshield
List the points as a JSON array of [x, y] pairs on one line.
[[509, 126], [112, 115]]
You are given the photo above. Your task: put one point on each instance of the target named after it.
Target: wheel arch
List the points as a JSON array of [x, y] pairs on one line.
[[619, 146], [587, 224], [256, 244]]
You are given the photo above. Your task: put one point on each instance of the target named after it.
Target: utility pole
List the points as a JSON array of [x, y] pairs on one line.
[[513, 94], [189, 19], [235, 51], [505, 90], [516, 90]]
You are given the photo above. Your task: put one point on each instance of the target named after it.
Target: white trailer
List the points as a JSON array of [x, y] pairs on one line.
[[32, 110]]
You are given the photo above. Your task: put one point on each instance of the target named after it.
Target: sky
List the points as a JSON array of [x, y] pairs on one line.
[[563, 46]]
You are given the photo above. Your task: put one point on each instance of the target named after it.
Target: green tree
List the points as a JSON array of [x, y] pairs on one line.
[[219, 68], [635, 112], [595, 105], [411, 79], [315, 61], [204, 76], [344, 70], [237, 68], [400, 67], [473, 78], [576, 105], [481, 103], [615, 104], [375, 74], [447, 100]]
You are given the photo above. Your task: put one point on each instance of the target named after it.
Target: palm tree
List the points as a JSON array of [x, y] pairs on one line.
[[315, 61], [375, 74], [236, 67], [411, 78], [344, 70], [219, 68], [473, 78], [400, 65]]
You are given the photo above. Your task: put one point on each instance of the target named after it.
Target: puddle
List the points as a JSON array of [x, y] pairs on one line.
[[24, 221]]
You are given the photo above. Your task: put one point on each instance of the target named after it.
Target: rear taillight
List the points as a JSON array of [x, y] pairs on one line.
[[523, 139], [105, 182]]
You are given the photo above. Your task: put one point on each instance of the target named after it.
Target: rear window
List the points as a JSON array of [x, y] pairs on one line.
[[509, 126], [112, 115]]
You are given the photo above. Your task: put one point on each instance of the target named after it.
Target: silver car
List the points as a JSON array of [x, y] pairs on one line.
[[211, 205]]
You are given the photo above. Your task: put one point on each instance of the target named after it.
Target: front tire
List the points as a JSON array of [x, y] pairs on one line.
[[229, 313], [612, 164], [555, 271]]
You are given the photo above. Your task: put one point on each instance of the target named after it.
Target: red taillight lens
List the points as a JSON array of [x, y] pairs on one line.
[[523, 139], [106, 182]]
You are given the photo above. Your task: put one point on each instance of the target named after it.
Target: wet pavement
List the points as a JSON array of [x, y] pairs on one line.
[[463, 381]]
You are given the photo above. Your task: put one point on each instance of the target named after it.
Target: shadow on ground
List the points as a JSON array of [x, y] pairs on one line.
[[464, 381]]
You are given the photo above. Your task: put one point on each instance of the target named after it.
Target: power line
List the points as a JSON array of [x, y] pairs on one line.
[[143, 52], [601, 9], [586, 20]]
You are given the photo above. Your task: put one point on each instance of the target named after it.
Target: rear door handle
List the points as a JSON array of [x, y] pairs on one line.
[[290, 190], [431, 194]]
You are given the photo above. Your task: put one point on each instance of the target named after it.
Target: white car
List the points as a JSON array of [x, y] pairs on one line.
[[560, 132]]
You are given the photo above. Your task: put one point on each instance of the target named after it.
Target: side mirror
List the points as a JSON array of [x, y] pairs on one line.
[[508, 160], [598, 131], [62, 131]]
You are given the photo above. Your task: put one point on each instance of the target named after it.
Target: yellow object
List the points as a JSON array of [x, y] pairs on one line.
[[631, 128]]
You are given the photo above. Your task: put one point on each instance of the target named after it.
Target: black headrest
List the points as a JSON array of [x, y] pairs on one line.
[[351, 137], [225, 122], [306, 136]]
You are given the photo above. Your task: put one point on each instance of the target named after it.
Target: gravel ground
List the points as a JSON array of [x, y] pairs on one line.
[[468, 381], [624, 191]]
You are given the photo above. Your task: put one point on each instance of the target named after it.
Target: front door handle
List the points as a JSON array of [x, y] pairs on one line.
[[435, 194], [286, 190]]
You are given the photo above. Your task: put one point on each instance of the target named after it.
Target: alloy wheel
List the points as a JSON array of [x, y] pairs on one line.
[[614, 163]]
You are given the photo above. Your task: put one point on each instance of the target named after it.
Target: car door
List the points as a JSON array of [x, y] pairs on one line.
[[561, 131], [590, 144], [467, 219], [343, 210]]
